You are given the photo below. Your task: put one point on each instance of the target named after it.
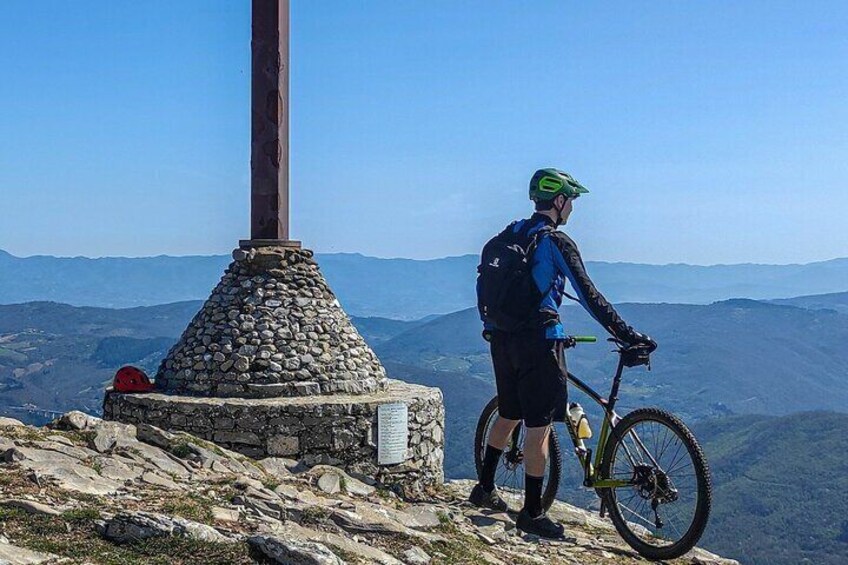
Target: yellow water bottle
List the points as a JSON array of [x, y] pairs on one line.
[[579, 421]]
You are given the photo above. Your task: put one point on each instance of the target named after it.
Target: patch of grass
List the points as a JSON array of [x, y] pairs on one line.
[[72, 535], [181, 450], [191, 506], [204, 444], [81, 515], [270, 483], [24, 433], [90, 499], [14, 482], [84, 437], [345, 555], [445, 522], [438, 491], [253, 462], [7, 479], [462, 548], [315, 515], [343, 484], [388, 497]]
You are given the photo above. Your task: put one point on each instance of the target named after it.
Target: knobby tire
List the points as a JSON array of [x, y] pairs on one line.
[[702, 476]]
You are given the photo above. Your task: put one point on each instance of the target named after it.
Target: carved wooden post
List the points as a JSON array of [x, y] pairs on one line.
[[269, 154]]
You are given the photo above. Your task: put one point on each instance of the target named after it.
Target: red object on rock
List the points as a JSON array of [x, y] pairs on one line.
[[131, 379]]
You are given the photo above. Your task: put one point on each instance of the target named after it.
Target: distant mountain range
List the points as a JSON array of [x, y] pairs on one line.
[[779, 492], [409, 289]]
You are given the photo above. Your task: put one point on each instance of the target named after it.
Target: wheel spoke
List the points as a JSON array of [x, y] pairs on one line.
[[656, 456]]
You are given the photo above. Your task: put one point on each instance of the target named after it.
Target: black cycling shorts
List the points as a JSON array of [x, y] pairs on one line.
[[530, 377]]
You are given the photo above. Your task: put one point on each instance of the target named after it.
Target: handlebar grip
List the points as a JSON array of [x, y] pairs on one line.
[[585, 338]]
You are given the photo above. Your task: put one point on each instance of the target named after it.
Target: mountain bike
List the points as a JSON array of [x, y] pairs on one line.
[[648, 469]]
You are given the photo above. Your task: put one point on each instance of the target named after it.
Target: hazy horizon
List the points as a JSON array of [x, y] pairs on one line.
[[357, 253]]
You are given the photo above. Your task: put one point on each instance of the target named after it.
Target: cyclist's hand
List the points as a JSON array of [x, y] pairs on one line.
[[638, 349]]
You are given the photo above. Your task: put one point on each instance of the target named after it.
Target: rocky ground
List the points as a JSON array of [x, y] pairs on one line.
[[83, 490]]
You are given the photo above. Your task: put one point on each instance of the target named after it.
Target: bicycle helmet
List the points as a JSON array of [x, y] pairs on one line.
[[547, 184]]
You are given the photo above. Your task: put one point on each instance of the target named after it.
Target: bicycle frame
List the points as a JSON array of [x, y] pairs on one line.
[[591, 472]]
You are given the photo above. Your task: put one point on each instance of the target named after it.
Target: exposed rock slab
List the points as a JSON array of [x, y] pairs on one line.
[[74, 420], [14, 555], [367, 553], [416, 556], [68, 472], [30, 506], [4, 421], [294, 552], [133, 526]]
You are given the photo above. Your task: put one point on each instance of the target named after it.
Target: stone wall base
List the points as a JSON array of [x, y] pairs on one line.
[[338, 430]]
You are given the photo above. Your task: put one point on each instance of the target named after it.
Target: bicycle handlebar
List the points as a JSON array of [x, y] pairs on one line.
[[584, 338], [573, 340]]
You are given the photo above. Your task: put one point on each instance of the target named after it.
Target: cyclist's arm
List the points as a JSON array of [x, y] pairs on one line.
[[567, 259]]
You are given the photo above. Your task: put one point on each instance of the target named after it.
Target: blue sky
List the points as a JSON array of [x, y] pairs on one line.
[[709, 132]]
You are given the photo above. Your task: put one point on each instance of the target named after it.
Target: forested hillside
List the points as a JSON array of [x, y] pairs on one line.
[[780, 488]]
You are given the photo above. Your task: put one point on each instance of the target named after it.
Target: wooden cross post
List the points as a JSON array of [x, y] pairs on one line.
[[269, 149]]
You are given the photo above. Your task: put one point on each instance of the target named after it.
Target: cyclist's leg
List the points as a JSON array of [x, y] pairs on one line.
[[501, 430], [506, 380], [536, 450], [509, 409], [542, 389]]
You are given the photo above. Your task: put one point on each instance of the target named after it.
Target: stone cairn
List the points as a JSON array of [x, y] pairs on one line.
[[272, 327], [272, 366]]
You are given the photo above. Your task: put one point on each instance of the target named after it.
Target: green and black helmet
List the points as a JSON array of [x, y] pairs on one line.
[[547, 184]]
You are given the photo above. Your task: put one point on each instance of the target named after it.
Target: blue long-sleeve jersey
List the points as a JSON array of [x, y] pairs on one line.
[[556, 260]]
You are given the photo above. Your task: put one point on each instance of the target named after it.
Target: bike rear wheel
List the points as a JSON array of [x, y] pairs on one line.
[[509, 478], [664, 513]]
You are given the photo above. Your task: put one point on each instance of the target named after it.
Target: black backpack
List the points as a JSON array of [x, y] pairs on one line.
[[507, 296]]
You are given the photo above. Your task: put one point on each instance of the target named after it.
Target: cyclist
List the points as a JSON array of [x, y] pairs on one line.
[[528, 364]]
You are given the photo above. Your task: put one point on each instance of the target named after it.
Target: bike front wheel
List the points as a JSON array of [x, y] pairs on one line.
[[509, 477], [664, 509]]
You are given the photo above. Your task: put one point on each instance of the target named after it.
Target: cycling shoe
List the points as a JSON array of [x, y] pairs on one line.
[[541, 525]]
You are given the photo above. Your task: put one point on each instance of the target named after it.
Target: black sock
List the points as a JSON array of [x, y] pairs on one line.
[[490, 465], [533, 495]]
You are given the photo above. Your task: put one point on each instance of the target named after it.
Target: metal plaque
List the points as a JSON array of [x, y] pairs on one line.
[[392, 433]]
